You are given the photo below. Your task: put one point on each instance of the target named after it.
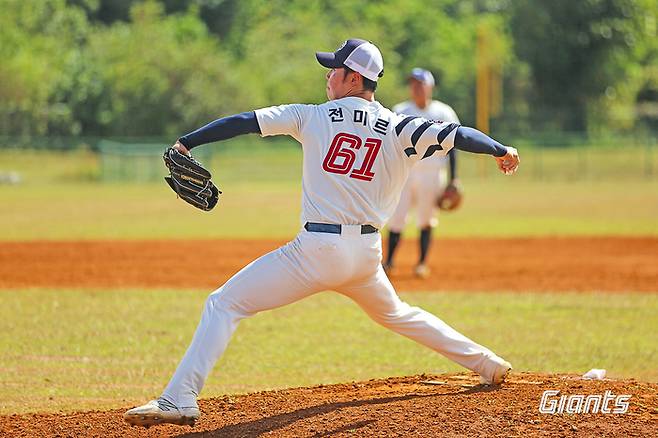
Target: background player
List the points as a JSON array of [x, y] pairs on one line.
[[356, 158], [427, 179]]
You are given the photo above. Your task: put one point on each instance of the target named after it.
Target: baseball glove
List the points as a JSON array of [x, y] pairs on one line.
[[451, 198], [190, 180]]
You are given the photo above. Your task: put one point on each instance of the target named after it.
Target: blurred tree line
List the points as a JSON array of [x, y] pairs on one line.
[[128, 68]]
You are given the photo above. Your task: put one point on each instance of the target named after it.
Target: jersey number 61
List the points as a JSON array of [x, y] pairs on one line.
[[342, 155]]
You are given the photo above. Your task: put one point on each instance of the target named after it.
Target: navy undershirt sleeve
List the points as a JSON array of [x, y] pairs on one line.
[[452, 155], [471, 140], [222, 129]]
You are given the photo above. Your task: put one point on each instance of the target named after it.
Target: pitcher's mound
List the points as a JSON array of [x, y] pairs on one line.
[[425, 405]]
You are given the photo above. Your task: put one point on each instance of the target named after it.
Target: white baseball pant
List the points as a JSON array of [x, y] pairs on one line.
[[421, 190], [349, 263]]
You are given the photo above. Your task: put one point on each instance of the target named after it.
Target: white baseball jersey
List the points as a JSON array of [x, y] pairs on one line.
[[357, 155], [434, 111]]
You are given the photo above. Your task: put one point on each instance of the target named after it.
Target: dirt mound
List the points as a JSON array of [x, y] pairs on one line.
[[453, 405], [615, 264]]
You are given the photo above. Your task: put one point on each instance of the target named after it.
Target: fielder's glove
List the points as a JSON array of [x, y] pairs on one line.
[[451, 198], [190, 180]]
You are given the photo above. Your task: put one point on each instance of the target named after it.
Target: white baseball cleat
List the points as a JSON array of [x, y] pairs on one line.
[[499, 375], [422, 271], [161, 411]]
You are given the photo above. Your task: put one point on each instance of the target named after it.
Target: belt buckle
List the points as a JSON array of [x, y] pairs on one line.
[[350, 230]]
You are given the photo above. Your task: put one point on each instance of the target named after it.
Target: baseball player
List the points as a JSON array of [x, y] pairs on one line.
[[428, 178], [357, 155]]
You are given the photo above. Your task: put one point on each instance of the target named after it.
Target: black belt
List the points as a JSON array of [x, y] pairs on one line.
[[316, 227]]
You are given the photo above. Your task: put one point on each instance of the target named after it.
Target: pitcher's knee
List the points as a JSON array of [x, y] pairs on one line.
[[214, 301], [402, 313], [221, 300]]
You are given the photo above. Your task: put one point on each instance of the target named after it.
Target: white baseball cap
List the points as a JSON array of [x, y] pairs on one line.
[[360, 55]]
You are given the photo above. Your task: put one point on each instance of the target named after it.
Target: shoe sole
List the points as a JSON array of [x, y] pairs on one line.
[[148, 420]]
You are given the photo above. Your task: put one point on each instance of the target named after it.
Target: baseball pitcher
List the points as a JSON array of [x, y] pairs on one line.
[[356, 158]]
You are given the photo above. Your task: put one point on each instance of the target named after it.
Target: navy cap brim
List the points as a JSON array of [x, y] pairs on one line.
[[328, 59]]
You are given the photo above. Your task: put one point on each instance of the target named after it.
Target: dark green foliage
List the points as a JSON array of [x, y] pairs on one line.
[[576, 50], [126, 67]]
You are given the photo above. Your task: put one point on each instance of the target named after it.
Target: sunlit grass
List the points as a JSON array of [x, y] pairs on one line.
[[59, 199], [77, 349]]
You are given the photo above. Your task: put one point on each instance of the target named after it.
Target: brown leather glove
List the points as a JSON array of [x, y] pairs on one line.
[[451, 198]]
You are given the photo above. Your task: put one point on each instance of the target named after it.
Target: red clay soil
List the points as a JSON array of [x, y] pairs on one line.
[[611, 264], [452, 406]]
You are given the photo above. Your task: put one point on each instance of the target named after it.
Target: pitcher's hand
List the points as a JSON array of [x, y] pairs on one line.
[[180, 148], [509, 162]]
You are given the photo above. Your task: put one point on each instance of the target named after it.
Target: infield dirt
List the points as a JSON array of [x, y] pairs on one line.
[[611, 264], [454, 405], [404, 406]]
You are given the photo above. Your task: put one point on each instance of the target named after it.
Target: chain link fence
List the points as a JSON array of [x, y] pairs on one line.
[[561, 157]]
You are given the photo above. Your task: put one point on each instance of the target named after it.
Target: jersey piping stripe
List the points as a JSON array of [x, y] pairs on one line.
[[410, 151], [445, 132], [430, 150], [400, 126], [419, 131]]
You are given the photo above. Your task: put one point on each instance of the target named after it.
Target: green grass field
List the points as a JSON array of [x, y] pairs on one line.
[[60, 199], [75, 349]]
